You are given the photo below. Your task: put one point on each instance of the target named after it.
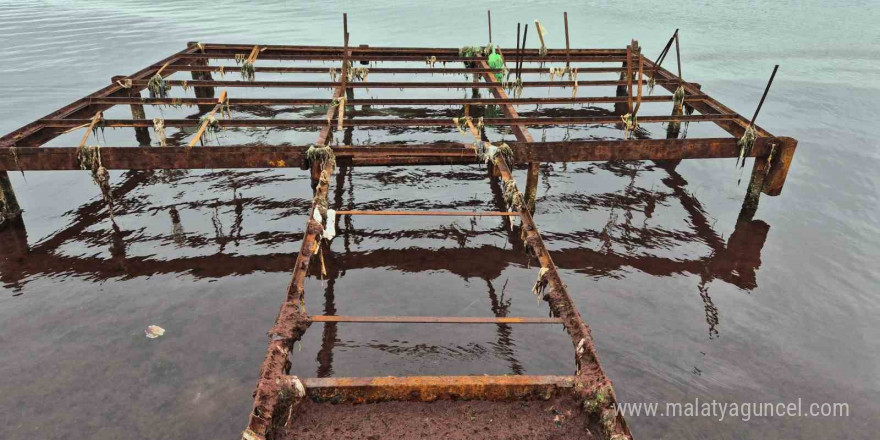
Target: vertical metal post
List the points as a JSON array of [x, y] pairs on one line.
[[567, 47], [753, 192], [489, 16], [532, 185], [203, 92], [9, 209], [622, 107], [142, 134]]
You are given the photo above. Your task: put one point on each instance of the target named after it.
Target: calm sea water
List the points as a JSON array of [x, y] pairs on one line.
[[683, 304]]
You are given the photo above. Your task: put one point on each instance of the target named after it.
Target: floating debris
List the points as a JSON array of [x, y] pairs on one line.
[[430, 61], [154, 331]]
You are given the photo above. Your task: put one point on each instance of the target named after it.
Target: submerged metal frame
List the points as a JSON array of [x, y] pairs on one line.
[[271, 399]]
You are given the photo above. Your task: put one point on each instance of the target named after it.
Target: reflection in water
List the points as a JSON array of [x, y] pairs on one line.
[[103, 250]]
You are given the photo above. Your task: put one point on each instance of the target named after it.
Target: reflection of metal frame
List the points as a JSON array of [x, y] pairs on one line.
[[772, 158]]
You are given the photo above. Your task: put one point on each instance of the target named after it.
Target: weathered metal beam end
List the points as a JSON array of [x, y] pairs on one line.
[[431, 388]]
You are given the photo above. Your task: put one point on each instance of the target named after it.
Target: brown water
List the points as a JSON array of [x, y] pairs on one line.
[[683, 303]]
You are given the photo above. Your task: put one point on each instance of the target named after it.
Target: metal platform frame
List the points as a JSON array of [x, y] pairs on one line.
[[272, 400]]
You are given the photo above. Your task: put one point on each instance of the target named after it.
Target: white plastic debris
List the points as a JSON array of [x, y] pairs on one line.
[[580, 347], [330, 227], [154, 331], [317, 216]]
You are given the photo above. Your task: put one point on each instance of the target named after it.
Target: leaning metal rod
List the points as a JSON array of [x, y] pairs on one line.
[[764, 96], [516, 57], [663, 53], [522, 52], [567, 47], [98, 116], [204, 124], [678, 56]]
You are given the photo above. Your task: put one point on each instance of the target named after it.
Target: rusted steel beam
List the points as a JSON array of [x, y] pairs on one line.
[[233, 102], [262, 156], [376, 122], [430, 213], [432, 388], [384, 70], [35, 133], [203, 125], [780, 161], [389, 84], [379, 50], [292, 320], [589, 375], [435, 319], [441, 58]]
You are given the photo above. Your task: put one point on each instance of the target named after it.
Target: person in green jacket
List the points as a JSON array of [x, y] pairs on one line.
[[496, 61]]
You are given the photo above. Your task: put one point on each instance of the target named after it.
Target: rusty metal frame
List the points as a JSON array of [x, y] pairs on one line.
[[772, 158]]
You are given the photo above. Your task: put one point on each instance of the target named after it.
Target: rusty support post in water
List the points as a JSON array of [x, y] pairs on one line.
[[532, 185], [204, 92], [141, 134], [9, 209]]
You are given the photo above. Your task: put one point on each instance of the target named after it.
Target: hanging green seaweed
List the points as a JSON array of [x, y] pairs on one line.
[[89, 159], [630, 124], [321, 155], [506, 153], [515, 88], [247, 70], [678, 98], [212, 126], [158, 87], [745, 144], [512, 196], [461, 124]]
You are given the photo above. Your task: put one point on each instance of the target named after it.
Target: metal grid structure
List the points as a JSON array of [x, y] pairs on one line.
[[276, 389]]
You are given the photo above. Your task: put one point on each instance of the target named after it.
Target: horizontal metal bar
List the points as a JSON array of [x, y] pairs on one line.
[[434, 319], [387, 85], [431, 213], [377, 101], [262, 156], [276, 48], [376, 122], [448, 58], [387, 70], [431, 388]]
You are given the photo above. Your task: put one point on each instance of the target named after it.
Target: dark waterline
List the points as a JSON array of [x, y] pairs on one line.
[[683, 302]]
